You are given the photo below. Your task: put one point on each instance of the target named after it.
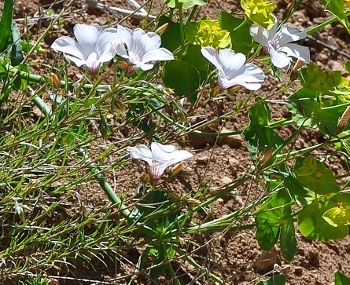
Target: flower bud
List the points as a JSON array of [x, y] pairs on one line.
[[162, 29], [55, 80]]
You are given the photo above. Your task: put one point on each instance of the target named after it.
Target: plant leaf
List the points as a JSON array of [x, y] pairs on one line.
[[274, 280], [341, 279], [239, 29], [313, 226], [316, 176], [5, 24], [288, 241], [184, 3], [269, 218], [183, 78], [16, 52]]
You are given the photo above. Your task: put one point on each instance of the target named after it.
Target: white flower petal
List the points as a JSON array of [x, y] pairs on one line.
[[106, 44], [233, 70], [259, 34], [288, 35], [144, 66], [68, 46], [140, 152], [150, 40], [251, 78], [210, 54], [278, 59], [126, 35], [78, 62], [159, 157], [160, 54], [297, 51], [87, 36], [231, 62], [278, 43], [161, 151]]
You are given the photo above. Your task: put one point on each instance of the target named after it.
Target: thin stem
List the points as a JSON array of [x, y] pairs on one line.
[[321, 26]]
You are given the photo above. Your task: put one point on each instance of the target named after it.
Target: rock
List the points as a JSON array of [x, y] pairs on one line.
[[234, 141], [266, 261], [226, 180], [202, 159]]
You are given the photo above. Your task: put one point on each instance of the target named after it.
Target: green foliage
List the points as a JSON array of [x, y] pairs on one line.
[[16, 52], [316, 176], [341, 279], [336, 7], [79, 138], [185, 4], [312, 224], [239, 29], [276, 279], [5, 24], [273, 221], [181, 71], [260, 137]]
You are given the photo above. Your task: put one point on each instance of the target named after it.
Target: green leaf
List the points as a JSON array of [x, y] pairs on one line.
[[313, 226], [298, 191], [347, 66], [288, 241], [183, 78], [184, 3], [336, 7], [193, 56], [16, 52], [269, 218], [308, 110], [260, 137], [341, 279], [314, 78], [274, 280], [316, 176], [5, 24], [239, 29], [171, 38]]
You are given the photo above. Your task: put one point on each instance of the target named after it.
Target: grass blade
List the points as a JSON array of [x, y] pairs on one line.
[[5, 24]]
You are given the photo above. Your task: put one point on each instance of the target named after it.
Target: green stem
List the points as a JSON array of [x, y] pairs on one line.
[[191, 261], [310, 148], [321, 26], [182, 38], [130, 216], [113, 197], [193, 11]]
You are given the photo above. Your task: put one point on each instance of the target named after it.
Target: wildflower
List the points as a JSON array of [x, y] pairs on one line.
[[233, 70], [259, 11], [278, 43], [158, 158], [209, 33], [92, 47], [141, 48]]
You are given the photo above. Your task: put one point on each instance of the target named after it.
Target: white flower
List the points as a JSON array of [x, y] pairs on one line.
[[92, 47], [279, 44], [158, 158], [232, 70], [141, 48]]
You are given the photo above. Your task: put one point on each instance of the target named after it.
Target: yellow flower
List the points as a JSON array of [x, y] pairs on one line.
[[210, 34], [260, 12]]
